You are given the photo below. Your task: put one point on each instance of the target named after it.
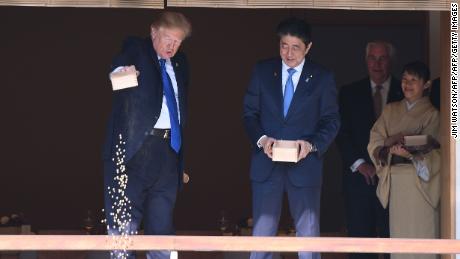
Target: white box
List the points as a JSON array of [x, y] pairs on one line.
[[285, 151], [124, 79]]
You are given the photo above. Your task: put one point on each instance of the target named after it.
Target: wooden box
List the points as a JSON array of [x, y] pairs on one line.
[[420, 144], [285, 151], [417, 140], [124, 79]]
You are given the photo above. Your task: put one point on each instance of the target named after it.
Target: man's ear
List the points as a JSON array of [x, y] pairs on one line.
[[427, 84], [153, 32], [308, 48]]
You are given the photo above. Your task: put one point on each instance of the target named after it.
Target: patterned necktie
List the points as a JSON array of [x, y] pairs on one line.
[[378, 101], [168, 92], [288, 91]]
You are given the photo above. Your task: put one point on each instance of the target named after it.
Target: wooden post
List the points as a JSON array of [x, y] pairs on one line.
[[447, 142]]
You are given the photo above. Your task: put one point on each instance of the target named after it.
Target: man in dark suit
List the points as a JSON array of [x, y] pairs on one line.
[[289, 98], [435, 93], [143, 148], [360, 105]]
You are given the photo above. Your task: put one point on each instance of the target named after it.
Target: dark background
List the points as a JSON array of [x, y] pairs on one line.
[[56, 98]]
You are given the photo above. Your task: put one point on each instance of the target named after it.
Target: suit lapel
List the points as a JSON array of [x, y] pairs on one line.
[[155, 86], [180, 86], [275, 87], [177, 71], [368, 99], [153, 54]]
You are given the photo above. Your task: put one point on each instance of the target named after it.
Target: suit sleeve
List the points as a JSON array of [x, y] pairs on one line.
[[329, 122], [251, 111], [344, 138], [127, 56], [128, 53]]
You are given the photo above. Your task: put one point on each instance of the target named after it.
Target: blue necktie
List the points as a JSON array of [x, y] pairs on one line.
[[168, 91], [288, 91]]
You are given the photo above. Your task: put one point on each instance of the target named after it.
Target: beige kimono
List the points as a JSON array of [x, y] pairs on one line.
[[414, 203]]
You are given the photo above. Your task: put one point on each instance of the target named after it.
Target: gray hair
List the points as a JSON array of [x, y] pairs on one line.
[[390, 49]]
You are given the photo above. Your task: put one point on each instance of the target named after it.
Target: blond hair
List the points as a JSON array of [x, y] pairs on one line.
[[173, 20]]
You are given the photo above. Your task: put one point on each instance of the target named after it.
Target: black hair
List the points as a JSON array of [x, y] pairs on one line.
[[419, 69], [295, 27]]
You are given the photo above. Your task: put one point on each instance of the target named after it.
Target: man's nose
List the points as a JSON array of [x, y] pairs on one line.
[[378, 63]]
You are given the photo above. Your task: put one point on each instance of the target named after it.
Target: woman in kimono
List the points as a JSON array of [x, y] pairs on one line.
[[408, 183]]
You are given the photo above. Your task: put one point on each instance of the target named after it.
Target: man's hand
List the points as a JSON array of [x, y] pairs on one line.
[[125, 69], [267, 144], [305, 148], [368, 171]]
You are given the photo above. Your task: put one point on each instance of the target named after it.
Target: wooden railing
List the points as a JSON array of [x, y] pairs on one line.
[[229, 243]]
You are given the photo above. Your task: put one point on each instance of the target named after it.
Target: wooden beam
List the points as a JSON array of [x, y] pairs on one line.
[[448, 155], [447, 142], [223, 243]]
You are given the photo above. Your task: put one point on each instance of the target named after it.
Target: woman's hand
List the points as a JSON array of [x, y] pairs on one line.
[[399, 151], [394, 140]]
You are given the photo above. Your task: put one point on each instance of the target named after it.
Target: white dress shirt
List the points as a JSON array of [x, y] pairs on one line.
[[163, 121], [295, 76], [385, 89], [284, 77]]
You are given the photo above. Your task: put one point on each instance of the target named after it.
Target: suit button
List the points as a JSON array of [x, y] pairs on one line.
[[146, 133]]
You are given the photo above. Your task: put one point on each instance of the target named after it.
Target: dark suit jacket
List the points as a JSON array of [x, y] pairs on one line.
[[357, 117], [136, 110], [312, 116], [435, 93]]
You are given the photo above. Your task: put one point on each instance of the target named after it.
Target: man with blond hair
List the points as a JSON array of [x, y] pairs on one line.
[[143, 149]]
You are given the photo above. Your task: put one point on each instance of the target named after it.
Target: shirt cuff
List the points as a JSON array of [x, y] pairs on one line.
[[356, 164], [259, 145], [313, 147]]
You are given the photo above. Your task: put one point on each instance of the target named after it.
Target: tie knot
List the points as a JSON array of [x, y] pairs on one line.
[[291, 71], [162, 62], [378, 88]]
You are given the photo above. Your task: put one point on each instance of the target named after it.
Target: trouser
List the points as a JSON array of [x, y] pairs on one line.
[[151, 189], [304, 205]]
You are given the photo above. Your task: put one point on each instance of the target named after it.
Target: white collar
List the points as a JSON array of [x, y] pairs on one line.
[[298, 68], [409, 105], [385, 85]]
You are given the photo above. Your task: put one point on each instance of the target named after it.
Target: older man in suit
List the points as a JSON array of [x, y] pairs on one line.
[[289, 98], [143, 148], [360, 105]]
